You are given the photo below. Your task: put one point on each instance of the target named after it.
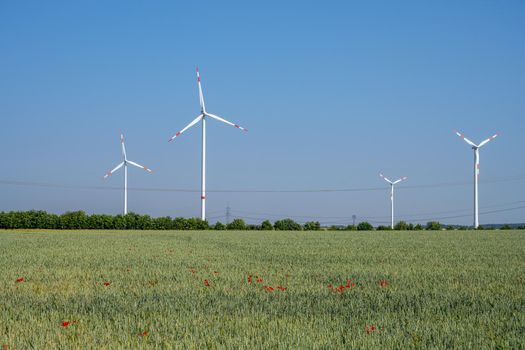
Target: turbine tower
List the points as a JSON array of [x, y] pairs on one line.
[[124, 164], [392, 184], [476, 171], [202, 117]]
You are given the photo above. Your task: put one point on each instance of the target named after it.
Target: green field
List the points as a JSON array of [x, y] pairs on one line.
[[440, 289]]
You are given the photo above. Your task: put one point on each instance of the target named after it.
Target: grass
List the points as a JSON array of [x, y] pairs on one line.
[[440, 290]]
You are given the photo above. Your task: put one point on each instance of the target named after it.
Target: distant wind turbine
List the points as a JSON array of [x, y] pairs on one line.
[[392, 184], [476, 170], [125, 165], [202, 117]]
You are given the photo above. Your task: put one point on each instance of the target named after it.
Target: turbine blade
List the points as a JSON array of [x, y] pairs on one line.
[[112, 171], [140, 166], [195, 121], [201, 97], [123, 146], [225, 121], [488, 140], [385, 178], [465, 139], [400, 180]]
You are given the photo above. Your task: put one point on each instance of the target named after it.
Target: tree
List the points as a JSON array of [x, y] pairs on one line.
[[365, 226], [163, 223], [383, 228], [144, 222], [351, 228], [506, 227], [95, 222], [119, 222], [433, 226], [197, 224], [73, 220], [287, 225], [312, 226], [237, 224], [266, 225], [401, 226], [219, 226], [131, 221], [180, 224]]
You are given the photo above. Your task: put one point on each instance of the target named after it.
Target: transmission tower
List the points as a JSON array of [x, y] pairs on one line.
[[228, 214]]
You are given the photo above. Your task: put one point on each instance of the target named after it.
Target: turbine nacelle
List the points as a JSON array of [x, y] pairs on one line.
[[204, 114], [125, 160], [392, 183], [474, 146]]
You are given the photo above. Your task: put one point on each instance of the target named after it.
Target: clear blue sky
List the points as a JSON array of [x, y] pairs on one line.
[[332, 93]]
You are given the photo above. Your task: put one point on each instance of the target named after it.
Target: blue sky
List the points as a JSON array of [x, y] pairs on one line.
[[332, 93]]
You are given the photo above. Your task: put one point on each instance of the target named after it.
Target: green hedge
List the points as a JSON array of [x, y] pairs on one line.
[[79, 220]]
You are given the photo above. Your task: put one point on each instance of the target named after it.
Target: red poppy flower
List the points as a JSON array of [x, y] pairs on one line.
[[281, 288], [206, 283], [370, 329], [19, 280], [259, 279], [66, 323], [330, 286], [250, 279], [383, 283], [107, 283], [143, 334], [268, 288]]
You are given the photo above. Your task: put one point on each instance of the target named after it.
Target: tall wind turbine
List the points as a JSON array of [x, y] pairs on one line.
[[124, 164], [202, 117], [476, 170], [392, 184]]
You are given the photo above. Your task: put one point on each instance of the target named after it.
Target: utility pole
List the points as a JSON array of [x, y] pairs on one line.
[[353, 219]]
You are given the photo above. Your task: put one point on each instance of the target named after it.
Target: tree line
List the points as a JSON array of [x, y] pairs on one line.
[[79, 220]]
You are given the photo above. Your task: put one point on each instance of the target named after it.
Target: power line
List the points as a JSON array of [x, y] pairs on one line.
[[319, 190], [371, 217], [468, 215], [260, 216]]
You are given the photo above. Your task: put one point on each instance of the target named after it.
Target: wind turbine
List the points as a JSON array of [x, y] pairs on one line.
[[202, 117], [476, 170], [124, 164], [392, 184]]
